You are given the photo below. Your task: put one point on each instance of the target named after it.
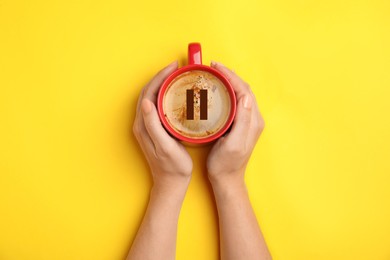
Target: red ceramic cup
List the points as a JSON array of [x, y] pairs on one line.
[[195, 63]]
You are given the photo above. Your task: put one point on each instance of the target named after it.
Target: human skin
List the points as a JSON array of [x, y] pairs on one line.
[[171, 168], [240, 234]]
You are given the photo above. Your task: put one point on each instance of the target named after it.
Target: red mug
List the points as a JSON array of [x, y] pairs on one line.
[[195, 64]]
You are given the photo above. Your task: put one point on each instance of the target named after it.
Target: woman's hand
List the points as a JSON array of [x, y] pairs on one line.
[[171, 168], [241, 237], [229, 156], [169, 161]]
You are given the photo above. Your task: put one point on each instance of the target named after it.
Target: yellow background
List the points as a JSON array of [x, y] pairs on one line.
[[73, 181]]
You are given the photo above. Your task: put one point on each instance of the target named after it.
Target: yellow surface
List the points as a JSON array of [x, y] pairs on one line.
[[74, 184]]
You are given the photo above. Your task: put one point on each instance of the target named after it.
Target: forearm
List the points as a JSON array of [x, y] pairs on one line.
[[156, 237], [240, 234]]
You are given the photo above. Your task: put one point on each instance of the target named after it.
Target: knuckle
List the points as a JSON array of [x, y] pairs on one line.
[[164, 150], [135, 129], [246, 120], [234, 149], [149, 124], [146, 91], [260, 124], [246, 85]]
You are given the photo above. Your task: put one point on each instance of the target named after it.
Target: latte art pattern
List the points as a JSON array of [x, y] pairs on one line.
[[217, 101]]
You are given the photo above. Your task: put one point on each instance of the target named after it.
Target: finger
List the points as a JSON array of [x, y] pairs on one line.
[[151, 89], [140, 130], [256, 126], [240, 87], [153, 125], [156, 81], [142, 136], [242, 122], [139, 101], [258, 117]]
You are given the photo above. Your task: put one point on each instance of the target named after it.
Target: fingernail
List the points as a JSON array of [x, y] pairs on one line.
[[247, 102], [146, 107], [173, 63]]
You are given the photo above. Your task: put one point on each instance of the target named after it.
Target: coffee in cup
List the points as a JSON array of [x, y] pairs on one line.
[[196, 104]]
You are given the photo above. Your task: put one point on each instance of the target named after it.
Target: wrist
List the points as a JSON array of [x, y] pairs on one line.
[[228, 183], [171, 186], [229, 191], [227, 178]]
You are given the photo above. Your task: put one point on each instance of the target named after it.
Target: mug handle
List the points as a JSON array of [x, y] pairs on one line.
[[194, 53]]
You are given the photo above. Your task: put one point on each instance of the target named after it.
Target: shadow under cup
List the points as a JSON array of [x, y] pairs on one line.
[[196, 104]]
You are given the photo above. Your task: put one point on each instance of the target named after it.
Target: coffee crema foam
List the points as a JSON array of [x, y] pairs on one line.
[[175, 104]]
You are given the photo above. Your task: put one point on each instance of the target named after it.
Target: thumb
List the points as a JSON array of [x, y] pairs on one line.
[[241, 124], [153, 124]]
